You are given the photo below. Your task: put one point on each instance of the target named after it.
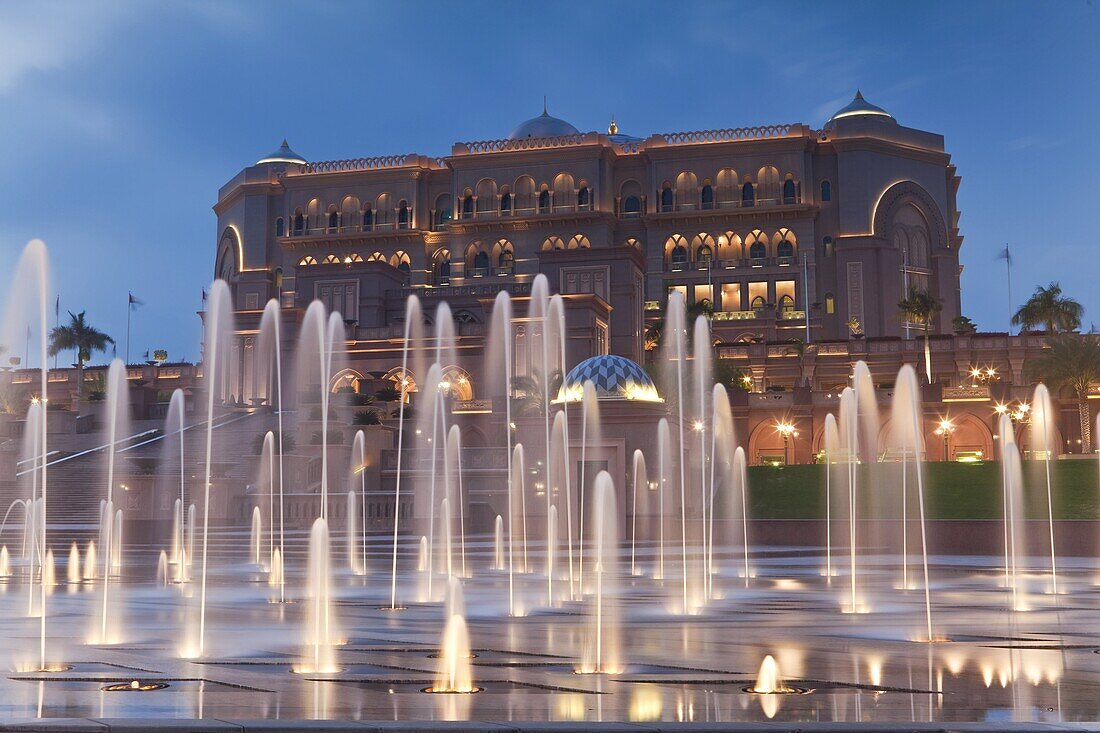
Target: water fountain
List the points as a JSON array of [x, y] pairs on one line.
[[602, 652], [319, 635]]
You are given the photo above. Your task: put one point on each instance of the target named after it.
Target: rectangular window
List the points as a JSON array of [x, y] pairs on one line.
[[731, 296], [784, 289], [758, 295], [703, 292], [681, 289]]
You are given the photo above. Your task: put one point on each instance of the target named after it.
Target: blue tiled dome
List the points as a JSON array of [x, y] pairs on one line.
[[614, 377]]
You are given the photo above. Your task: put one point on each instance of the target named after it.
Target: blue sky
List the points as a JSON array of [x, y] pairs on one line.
[[118, 122]]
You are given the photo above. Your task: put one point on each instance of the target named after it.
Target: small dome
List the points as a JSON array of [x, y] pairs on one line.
[[543, 126], [859, 107], [614, 377], [283, 155]]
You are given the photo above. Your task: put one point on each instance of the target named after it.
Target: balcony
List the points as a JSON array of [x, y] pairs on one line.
[[504, 270], [735, 315]]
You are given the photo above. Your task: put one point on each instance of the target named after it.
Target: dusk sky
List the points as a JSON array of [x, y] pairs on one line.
[[118, 123]]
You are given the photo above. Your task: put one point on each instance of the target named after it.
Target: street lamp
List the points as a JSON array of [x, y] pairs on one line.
[[944, 430], [786, 430]]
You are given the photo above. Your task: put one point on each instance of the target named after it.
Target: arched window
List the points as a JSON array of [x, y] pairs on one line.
[[441, 267], [790, 191], [707, 195], [444, 211], [767, 179], [503, 255], [330, 260], [401, 261], [467, 204], [676, 252], [702, 247], [687, 190], [584, 198], [632, 207], [826, 191], [564, 191], [383, 210], [376, 257], [313, 215], [544, 201], [786, 304], [279, 227], [748, 194], [668, 198], [486, 196], [727, 187], [758, 303], [481, 263], [505, 201], [579, 241], [402, 214], [679, 257], [830, 304], [299, 222], [353, 258], [784, 241], [553, 242], [307, 260], [525, 194], [368, 219], [757, 250], [632, 242], [829, 246], [729, 249], [333, 219]]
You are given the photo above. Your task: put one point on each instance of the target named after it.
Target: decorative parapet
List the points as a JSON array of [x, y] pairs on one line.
[[366, 164], [734, 315], [475, 147], [731, 134]]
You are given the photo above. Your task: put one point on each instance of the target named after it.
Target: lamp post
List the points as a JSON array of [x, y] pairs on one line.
[[786, 430], [944, 430]]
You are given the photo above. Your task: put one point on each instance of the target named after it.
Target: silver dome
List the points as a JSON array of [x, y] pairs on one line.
[[860, 106], [283, 155], [543, 126]]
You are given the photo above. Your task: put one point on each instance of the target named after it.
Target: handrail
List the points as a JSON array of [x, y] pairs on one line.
[[759, 132]]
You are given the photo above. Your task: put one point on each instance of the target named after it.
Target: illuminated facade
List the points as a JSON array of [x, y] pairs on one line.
[[790, 234]]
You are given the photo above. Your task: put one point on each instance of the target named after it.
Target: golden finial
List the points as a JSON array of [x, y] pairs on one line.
[[612, 129]]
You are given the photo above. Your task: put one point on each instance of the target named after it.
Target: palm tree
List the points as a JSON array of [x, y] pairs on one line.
[[83, 338], [1071, 361], [528, 393], [920, 306], [1049, 308], [656, 330]]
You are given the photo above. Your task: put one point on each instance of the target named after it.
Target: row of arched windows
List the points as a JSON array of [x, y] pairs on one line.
[[729, 249], [726, 190], [398, 259], [350, 216], [522, 198]]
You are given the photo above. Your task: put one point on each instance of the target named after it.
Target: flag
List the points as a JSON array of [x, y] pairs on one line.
[[204, 295], [1005, 255], [57, 307], [134, 302]]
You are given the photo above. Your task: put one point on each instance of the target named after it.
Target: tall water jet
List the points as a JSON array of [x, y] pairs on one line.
[[162, 569], [907, 433], [849, 421], [173, 453], [455, 489], [498, 544], [319, 634], [1042, 439], [255, 538], [26, 313], [499, 367], [5, 562], [351, 543], [556, 320], [358, 473], [702, 385], [218, 327], [454, 673], [72, 567], [90, 568], [270, 342], [413, 326], [266, 481], [639, 478], [108, 629], [602, 653], [275, 577], [1014, 515], [590, 433], [664, 482], [832, 450], [515, 486]]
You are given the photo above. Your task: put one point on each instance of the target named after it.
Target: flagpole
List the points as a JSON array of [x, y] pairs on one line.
[[56, 322], [1008, 277], [129, 312]]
